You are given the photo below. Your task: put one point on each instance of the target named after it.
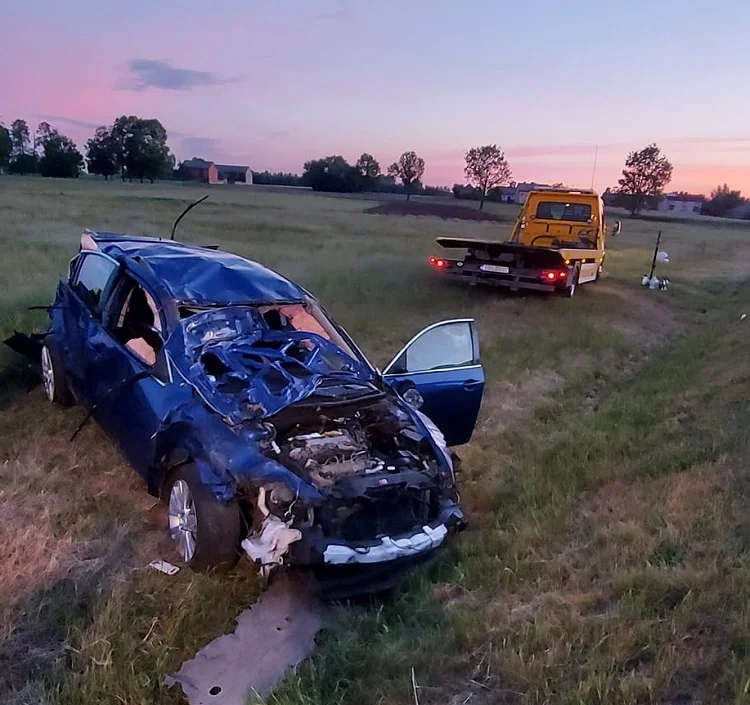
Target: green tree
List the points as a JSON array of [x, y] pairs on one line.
[[20, 137], [141, 148], [6, 146], [43, 131], [23, 159], [102, 153], [332, 174], [645, 175], [60, 156], [368, 169], [409, 169], [722, 200], [486, 168], [147, 155]]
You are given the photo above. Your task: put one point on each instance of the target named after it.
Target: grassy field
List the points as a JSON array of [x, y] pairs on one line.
[[608, 556]]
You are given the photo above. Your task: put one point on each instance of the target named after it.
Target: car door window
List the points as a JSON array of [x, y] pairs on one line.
[[441, 347], [94, 275], [136, 322]]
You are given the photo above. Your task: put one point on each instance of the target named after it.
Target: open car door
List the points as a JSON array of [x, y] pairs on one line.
[[442, 361]]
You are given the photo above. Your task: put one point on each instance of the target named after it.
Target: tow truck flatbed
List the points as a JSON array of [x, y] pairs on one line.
[[557, 244]]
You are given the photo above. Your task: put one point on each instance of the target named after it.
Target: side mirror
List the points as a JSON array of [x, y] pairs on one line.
[[617, 227]]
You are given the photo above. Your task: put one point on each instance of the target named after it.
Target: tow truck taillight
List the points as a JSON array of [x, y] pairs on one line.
[[439, 263], [552, 275]]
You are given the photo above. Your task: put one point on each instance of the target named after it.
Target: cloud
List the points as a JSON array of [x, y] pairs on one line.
[[200, 147], [152, 73], [54, 119]]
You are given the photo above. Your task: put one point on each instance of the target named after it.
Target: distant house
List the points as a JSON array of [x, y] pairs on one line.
[[681, 203], [524, 189], [229, 174], [207, 172], [196, 169], [508, 194]]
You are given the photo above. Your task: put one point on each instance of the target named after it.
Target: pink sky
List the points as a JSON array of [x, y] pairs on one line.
[[275, 85]]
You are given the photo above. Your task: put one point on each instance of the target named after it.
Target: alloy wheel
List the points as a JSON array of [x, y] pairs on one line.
[[183, 520]]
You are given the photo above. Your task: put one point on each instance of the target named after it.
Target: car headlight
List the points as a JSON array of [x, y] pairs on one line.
[[413, 398]]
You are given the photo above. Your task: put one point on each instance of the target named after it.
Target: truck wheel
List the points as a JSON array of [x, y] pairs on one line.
[[205, 531], [53, 375], [571, 290]]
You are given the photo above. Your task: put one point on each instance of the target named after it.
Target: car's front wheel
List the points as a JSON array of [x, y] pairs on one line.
[[53, 375], [205, 531]]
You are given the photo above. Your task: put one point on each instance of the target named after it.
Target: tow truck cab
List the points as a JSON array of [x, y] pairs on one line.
[[558, 242]]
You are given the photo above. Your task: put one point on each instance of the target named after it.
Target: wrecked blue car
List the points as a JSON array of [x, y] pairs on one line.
[[253, 415]]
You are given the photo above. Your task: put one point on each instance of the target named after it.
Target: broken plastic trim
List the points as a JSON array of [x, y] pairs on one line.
[[268, 546], [388, 549]]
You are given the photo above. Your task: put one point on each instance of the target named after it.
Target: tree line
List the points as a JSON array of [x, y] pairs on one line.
[[46, 151], [335, 174], [136, 148], [486, 168], [132, 147]]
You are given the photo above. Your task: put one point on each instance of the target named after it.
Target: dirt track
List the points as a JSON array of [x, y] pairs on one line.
[[440, 210]]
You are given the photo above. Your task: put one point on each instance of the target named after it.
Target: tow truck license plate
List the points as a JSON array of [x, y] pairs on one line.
[[494, 268]]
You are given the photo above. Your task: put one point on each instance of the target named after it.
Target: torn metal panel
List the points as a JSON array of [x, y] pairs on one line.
[[246, 371], [274, 635]]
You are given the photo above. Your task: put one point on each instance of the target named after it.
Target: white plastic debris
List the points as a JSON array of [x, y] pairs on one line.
[[743, 316], [164, 567], [662, 257], [654, 283]]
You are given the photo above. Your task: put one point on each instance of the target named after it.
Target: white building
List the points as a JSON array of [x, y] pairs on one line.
[[681, 203]]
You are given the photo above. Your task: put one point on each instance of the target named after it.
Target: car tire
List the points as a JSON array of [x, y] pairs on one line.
[[55, 380], [205, 532], [570, 291]]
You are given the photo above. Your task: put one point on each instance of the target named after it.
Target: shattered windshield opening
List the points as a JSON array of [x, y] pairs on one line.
[[254, 361]]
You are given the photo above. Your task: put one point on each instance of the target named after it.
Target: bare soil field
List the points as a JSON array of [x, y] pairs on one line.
[[608, 554]]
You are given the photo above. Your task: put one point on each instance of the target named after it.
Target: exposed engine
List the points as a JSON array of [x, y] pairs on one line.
[[369, 442], [327, 457]]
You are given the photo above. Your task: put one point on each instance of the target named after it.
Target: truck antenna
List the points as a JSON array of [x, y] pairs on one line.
[[593, 171], [184, 213]]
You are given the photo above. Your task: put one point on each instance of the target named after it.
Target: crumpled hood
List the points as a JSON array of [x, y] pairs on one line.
[[245, 371]]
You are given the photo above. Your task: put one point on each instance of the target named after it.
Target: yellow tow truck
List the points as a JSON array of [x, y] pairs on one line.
[[558, 242]]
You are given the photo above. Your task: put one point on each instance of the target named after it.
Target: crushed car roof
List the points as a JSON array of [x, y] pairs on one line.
[[195, 274]]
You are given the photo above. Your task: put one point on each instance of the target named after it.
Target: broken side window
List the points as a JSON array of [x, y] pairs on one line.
[[137, 323]]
